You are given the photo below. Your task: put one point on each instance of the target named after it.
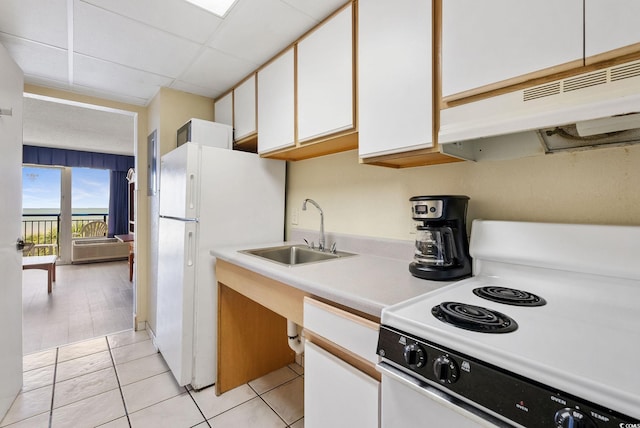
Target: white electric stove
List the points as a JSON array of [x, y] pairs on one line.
[[545, 334]]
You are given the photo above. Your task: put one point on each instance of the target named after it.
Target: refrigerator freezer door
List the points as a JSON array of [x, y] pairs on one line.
[[179, 182], [177, 262]]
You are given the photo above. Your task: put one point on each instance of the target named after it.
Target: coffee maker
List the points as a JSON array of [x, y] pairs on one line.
[[442, 246]]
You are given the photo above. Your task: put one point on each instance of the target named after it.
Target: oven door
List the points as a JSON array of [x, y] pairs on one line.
[[406, 400]]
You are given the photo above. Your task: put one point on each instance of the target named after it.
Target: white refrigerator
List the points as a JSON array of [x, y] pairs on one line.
[[208, 197]]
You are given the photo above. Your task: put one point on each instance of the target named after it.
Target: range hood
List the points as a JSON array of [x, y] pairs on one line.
[[589, 110]]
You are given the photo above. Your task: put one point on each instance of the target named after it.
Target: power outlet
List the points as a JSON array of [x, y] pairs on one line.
[[295, 214], [413, 226]]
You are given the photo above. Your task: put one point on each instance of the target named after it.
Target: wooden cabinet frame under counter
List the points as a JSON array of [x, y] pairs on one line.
[[252, 324]]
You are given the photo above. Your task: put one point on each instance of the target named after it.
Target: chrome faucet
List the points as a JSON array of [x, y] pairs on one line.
[[321, 244]]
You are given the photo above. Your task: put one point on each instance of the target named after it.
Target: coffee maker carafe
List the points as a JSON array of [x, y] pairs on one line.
[[442, 246]]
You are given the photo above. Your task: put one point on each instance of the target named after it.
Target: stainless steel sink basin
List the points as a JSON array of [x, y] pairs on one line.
[[294, 255]]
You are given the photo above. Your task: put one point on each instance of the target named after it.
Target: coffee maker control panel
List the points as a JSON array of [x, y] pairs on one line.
[[427, 209]]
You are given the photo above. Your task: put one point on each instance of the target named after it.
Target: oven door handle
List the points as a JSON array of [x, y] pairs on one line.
[[441, 397]]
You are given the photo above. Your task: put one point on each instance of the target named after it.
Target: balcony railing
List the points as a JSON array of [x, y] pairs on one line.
[[42, 230]]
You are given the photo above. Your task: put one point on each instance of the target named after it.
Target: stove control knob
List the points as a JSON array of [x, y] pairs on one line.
[[414, 355], [445, 370], [572, 418]]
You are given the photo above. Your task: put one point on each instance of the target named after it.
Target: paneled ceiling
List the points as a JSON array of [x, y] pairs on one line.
[[125, 50]]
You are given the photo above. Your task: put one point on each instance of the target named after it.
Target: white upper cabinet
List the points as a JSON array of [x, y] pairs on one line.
[[244, 108], [325, 78], [276, 104], [611, 25], [485, 42], [224, 109], [394, 76]]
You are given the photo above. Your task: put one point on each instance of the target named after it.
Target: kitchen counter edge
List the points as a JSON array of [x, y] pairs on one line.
[[363, 282]]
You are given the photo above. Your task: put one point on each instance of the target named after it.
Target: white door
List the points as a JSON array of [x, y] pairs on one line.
[[337, 394], [276, 104], [11, 87], [179, 182], [325, 78], [244, 108], [610, 25], [177, 253], [385, 36], [488, 42]]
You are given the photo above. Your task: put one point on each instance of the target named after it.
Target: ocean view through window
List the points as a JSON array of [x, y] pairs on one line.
[[43, 193]]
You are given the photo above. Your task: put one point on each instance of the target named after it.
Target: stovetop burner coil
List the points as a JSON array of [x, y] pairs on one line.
[[509, 296], [474, 318]]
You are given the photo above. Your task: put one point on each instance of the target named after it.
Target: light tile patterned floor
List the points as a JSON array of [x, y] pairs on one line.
[[88, 300], [121, 381]]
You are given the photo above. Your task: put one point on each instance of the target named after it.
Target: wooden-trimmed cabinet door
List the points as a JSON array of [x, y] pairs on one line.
[[224, 109], [244, 108], [493, 41], [395, 96], [611, 28], [276, 104], [325, 78]]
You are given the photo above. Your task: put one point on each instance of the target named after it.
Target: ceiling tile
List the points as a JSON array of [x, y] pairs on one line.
[[179, 85], [217, 71], [36, 59], [174, 16], [318, 10], [91, 72], [257, 30], [42, 21], [111, 37]]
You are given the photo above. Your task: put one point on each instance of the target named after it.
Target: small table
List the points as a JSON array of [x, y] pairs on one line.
[[130, 237], [47, 263]]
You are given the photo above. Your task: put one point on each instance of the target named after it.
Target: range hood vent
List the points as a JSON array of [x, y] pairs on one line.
[[589, 110], [600, 77]]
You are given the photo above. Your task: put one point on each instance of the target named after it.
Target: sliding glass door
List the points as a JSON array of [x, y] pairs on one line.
[[58, 203]]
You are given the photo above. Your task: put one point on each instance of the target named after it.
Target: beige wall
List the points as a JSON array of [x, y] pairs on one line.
[[595, 186], [168, 110]]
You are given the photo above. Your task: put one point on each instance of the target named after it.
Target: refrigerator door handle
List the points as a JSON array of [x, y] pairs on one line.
[[192, 190], [190, 248]]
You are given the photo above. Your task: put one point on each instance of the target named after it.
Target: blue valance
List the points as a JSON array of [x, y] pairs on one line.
[[76, 158]]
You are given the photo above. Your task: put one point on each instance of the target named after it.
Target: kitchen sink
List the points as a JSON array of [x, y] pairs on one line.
[[294, 255]]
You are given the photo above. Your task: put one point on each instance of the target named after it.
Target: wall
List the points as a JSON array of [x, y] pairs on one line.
[[168, 110], [596, 186]]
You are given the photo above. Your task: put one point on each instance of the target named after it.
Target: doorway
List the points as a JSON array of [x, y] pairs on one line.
[[88, 299]]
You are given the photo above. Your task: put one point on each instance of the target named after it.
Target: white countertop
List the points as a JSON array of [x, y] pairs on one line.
[[367, 283]]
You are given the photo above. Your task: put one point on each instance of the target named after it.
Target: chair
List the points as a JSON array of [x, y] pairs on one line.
[[94, 228]]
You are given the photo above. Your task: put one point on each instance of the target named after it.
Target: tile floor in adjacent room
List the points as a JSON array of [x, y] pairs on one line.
[[87, 300], [120, 380]]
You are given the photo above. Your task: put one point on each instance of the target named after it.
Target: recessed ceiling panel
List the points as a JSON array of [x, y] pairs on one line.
[[36, 59], [217, 70], [318, 10], [42, 21], [91, 72], [111, 37], [174, 16], [256, 30], [179, 85]]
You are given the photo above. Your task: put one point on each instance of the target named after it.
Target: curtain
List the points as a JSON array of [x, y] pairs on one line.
[[117, 164], [118, 200], [76, 158]]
